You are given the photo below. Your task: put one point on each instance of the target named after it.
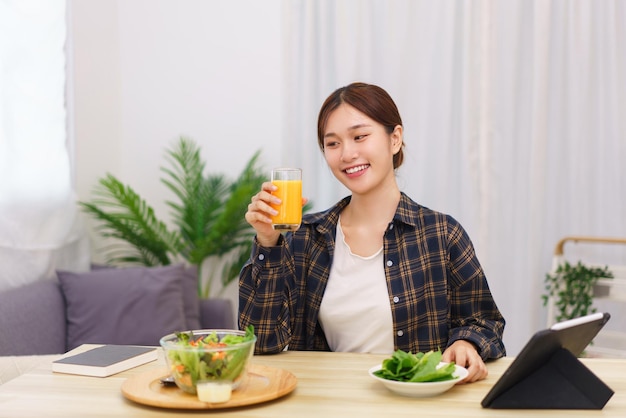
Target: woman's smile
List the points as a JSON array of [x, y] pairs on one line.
[[356, 170]]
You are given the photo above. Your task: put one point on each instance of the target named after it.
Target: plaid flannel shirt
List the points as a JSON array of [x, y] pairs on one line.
[[437, 289]]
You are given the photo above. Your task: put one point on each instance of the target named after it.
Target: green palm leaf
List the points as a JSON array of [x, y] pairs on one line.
[[232, 269], [227, 228], [123, 215]]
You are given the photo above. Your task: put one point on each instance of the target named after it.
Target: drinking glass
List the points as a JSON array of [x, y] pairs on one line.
[[289, 183]]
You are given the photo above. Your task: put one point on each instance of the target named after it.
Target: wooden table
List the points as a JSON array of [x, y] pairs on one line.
[[329, 385]]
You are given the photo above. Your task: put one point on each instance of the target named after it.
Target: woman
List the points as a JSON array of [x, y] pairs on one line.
[[375, 273]]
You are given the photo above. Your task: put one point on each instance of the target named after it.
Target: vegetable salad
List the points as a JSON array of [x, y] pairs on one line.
[[209, 357]]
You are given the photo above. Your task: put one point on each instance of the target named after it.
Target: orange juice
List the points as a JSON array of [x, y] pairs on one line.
[[290, 210]]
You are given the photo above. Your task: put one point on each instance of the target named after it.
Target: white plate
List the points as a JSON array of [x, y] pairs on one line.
[[421, 389]]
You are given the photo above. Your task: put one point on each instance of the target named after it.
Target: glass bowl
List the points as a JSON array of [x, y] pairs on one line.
[[209, 355]]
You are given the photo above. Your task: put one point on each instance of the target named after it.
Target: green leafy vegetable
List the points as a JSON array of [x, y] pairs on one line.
[[419, 367]]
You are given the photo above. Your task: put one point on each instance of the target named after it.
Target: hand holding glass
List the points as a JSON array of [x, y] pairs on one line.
[[289, 183]]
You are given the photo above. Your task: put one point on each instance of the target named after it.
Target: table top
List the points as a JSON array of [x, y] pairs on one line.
[[329, 385]]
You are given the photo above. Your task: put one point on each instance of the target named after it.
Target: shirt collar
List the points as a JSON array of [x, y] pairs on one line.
[[407, 212]]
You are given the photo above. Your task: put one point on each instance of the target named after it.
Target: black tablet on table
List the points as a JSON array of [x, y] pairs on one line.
[[547, 374]]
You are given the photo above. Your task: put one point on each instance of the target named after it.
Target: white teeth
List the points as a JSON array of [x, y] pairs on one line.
[[355, 169]]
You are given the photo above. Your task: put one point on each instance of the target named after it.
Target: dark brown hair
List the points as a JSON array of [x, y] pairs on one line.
[[368, 99]]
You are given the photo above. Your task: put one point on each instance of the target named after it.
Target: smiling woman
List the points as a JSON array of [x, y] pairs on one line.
[[375, 273], [499, 132], [39, 227]]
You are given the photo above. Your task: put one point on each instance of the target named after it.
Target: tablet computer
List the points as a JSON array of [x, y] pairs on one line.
[[572, 335]]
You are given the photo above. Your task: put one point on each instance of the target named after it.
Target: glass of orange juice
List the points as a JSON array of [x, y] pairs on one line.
[[289, 183]]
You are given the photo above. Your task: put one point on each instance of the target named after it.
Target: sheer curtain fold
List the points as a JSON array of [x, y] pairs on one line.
[[40, 229], [511, 112]]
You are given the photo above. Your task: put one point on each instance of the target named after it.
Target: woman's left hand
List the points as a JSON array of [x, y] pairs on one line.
[[465, 354]]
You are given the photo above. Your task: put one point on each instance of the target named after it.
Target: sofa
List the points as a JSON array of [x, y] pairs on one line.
[[105, 306]]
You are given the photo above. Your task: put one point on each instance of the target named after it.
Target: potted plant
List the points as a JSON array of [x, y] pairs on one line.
[[572, 289], [208, 217]]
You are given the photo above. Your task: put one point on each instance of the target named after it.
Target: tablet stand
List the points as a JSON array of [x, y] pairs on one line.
[[562, 382]]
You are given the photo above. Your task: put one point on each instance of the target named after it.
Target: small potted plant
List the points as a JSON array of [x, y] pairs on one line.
[[571, 289]]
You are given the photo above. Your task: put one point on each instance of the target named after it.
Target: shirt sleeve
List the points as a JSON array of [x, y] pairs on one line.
[[474, 314], [263, 296]]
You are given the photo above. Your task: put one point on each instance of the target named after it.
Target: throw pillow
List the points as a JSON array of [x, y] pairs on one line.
[[191, 300], [123, 306]]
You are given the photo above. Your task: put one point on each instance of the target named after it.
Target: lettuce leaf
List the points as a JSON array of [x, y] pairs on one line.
[[419, 367]]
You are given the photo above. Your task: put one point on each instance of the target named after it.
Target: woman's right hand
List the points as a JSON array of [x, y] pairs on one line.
[[259, 215]]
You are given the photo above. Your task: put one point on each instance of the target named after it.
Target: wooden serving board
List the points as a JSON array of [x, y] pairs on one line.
[[262, 384]]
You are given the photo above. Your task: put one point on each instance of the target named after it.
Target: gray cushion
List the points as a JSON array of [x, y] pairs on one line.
[[217, 314], [32, 319], [191, 300], [190, 295], [123, 306]]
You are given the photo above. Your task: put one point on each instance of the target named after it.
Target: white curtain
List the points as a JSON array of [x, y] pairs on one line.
[[39, 224], [513, 113]]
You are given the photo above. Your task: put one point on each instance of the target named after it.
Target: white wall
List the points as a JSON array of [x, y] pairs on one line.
[[146, 72]]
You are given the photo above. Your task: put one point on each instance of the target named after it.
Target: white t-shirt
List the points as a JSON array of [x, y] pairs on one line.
[[355, 312]]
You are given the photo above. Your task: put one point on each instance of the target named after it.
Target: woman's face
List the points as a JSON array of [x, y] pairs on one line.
[[359, 151]]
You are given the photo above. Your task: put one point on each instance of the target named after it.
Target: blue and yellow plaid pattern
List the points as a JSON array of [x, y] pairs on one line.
[[437, 289]]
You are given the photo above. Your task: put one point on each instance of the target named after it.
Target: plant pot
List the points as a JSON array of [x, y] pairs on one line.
[[601, 290]]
